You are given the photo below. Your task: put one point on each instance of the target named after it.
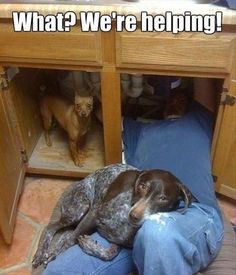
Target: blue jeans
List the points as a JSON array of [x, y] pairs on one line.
[[167, 243]]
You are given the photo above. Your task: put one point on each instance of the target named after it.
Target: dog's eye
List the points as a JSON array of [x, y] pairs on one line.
[[89, 105], [142, 186], [78, 105], [162, 197]]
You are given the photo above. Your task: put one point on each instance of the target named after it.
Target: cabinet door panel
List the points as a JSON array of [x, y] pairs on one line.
[[11, 171], [224, 159]]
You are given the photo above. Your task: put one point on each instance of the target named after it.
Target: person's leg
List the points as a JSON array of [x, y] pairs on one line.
[[75, 262], [174, 243]]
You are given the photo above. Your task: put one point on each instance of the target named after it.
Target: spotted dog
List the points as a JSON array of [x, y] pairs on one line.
[[114, 201]]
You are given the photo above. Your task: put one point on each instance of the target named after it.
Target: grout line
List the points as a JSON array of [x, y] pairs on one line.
[[14, 268], [33, 244], [38, 231], [29, 220]]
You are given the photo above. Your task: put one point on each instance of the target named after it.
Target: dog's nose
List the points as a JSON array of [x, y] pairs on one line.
[[134, 217], [83, 113]]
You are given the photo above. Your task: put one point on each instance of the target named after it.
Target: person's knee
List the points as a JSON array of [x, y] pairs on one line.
[[155, 243], [154, 234]]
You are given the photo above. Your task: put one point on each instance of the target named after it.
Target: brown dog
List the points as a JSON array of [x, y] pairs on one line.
[[73, 118]]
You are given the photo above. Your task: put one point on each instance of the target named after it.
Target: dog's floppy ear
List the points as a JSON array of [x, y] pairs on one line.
[[186, 195], [123, 182]]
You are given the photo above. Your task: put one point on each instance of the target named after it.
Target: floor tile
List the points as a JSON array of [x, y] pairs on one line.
[[17, 253], [37, 202], [40, 196]]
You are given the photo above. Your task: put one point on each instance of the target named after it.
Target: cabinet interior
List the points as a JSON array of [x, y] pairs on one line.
[[28, 86], [151, 105]]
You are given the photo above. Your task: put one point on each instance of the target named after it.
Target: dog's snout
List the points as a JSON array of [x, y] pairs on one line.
[[83, 113], [134, 217]]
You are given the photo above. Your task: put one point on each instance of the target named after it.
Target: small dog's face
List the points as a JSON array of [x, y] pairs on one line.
[[83, 105], [156, 191]]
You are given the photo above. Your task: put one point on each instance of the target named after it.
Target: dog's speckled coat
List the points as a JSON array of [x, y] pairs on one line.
[[74, 203], [104, 201]]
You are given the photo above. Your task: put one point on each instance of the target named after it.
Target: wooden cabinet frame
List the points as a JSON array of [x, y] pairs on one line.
[[114, 53]]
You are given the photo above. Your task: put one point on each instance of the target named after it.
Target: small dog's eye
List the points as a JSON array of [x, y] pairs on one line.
[[89, 105], [78, 105]]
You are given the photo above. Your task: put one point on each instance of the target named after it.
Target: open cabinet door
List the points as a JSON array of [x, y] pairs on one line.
[[224, 157], [12, 168]]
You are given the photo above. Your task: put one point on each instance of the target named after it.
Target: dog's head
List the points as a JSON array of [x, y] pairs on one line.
[[156, 191], [83, 105]]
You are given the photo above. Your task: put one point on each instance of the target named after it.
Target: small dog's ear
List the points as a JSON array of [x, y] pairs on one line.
[[186, 195], [122, 183], [83, 93]]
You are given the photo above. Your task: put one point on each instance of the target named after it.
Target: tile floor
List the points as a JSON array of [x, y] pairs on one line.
[[38, 199], [36, 204]]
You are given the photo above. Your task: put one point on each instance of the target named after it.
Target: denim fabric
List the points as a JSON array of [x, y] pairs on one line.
[[167, 244], [75, 261], [181, 146], [172, 243]]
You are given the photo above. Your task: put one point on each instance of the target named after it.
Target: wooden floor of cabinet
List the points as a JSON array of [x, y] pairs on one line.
[[56, 160]]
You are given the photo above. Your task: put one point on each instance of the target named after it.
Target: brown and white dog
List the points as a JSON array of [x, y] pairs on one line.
[[74, 118], [114, 201]]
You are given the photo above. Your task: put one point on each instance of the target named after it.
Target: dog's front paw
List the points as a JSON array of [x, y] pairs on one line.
[[77, 162], [39, 258], [93, 248], [84, 240], [49, 143], [49, 257], [48, 140]]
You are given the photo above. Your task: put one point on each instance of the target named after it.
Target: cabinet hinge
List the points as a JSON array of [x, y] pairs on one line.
[[24, 156], [227, 99], [214, 178], [4, 83]]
